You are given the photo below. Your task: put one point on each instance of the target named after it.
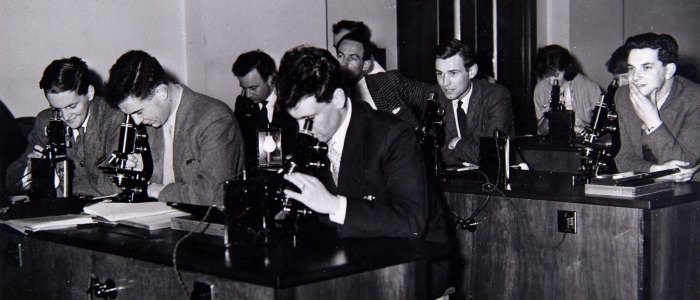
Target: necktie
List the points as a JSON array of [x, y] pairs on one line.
[[263, 113], [168, 172], [79, 140], [80, 145], [334, 157], [461, 119]]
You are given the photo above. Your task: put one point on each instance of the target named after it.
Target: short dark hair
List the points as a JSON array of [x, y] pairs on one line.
[[307, 71], [256, 59], [360, 37], [66, 74], [135, 74], [455, 47], [617, 64], [553, 58], [666, 44], [351, 26]]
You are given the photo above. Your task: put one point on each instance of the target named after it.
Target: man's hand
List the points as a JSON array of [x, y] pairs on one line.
[[154, 190], [644, 107], [313, 193], [134, 162], [453, 143], [686, 174]]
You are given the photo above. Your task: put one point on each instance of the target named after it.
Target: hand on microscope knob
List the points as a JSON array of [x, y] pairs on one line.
[[37, 153], [134, 162]]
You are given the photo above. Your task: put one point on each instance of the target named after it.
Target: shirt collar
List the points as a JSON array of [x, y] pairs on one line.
[[271, 99], [467, 96], [170, 123], [337, 141]]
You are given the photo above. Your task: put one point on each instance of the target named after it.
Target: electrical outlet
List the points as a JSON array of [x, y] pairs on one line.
[[202, 291], [566, 220], [13, 254]]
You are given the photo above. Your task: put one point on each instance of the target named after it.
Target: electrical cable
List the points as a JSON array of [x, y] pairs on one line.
[[177, 271], [195, 229]]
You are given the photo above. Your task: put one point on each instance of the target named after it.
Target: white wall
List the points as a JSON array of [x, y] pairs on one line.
[[552, 23], [195, 40], [34, 33], [220, 30]]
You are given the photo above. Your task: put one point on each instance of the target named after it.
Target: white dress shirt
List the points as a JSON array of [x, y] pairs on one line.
[[361, 87], [168, 142], [464, 107], [337, 142]]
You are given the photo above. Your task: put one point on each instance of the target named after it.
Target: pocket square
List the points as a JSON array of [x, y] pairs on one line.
[[396, 110]]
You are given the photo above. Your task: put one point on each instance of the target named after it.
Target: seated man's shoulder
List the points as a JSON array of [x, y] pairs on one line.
[[206, 106], [381, 121], [392, 75], [689, 86], [488, 88]]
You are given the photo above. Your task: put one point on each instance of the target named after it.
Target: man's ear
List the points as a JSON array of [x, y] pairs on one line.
[[366, 64], [339, 98], [161, 93], [473, 70], [670, 70], [91, 92]]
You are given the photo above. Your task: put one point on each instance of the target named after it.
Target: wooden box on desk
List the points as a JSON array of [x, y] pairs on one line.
[[634, 248]]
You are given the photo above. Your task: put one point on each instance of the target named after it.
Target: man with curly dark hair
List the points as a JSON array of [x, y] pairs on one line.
[[196, 143], [659, 111]]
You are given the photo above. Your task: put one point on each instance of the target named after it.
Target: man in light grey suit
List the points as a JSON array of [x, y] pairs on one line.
[[195, 141]]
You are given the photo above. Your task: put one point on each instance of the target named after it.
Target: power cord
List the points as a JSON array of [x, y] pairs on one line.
[[177, 271], [470, 223]]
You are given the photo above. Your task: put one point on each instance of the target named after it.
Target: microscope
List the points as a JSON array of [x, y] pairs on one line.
[[133, 139], [51, 173], [603, 121], [431, 134], [256, 208], [561, 120]]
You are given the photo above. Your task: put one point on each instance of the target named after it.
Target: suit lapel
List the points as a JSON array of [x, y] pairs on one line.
[[353, 151], [449, 118], [474, 111], [183, 123], [374, 86]]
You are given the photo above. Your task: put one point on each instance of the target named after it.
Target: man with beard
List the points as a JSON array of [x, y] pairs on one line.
[[388, 91], [659, 111]]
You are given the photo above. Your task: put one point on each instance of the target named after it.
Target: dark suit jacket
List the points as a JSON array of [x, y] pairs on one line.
[[207, 150], [391, 90], [382, 176], [246, 112], [12, 142], [490, 109], [101, 138]]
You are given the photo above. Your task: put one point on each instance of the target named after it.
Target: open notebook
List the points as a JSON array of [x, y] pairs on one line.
[[146, 215], [48, 223]]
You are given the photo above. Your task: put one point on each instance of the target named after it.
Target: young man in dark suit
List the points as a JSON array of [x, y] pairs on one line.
[[93, 122], [255, 107], [473, 108], [387, 91], [376, 185], [195, 141]]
